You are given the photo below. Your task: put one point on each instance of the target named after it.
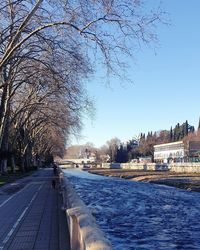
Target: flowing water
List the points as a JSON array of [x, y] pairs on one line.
[[136, 215]]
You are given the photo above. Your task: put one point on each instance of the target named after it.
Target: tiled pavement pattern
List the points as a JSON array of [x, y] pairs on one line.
[[32, 217]]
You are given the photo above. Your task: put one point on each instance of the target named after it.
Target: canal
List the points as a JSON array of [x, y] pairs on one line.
[[136, 215]]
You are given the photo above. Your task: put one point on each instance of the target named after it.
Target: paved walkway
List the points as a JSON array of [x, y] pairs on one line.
[[31, 215]]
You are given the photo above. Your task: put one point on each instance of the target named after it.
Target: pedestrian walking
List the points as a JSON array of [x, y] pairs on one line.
[[55, 169], [53, 183]]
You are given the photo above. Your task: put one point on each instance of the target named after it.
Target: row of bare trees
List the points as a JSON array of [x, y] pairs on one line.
[[47, 48]]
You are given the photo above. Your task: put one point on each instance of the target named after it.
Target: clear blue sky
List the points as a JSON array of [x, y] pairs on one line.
[[166, 88]]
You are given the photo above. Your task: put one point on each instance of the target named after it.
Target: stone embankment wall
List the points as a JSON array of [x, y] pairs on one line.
[[185, 167], [84, 231]]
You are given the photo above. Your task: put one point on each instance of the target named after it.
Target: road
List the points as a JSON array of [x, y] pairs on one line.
[[31, 216]]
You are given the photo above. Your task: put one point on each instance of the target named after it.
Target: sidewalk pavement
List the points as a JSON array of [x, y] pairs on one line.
[[31, 216]]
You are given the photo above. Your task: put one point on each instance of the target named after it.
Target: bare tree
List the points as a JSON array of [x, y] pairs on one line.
[[44, 41], [113, 145], [45, 110]]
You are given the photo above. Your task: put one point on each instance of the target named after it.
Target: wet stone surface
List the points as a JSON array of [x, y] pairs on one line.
[[137, 215]]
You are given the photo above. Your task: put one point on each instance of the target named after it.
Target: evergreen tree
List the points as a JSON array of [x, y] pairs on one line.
[[118, 155], [122, 154], [171, 135], [199, 124], [186, 128], [175, 134], [192, 129], [178, 132]]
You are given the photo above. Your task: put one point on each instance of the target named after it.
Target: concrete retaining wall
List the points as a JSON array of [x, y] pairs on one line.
[[135, 166], [185, 167], [84, 231], [144, 166], [105, 165]]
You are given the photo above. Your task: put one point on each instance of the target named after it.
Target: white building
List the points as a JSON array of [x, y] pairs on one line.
[[177, 151], [169, 152]]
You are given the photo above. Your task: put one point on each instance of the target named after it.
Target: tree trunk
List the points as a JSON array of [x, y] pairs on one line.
[[13, 164], [27, 162], [22, 164], [4, 105], [4, 166], [35, 163], [4, 147]]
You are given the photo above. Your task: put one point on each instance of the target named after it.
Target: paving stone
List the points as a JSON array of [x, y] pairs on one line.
[[26, 233], [37, 224]]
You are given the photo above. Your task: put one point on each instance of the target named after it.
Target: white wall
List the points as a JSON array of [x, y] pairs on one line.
[[84, 231], [185, 167]]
